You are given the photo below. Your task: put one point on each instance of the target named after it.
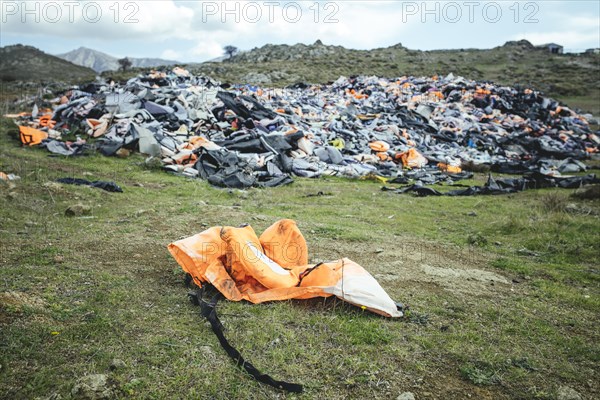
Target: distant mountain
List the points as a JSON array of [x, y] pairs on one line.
[[26, 63], [93, 59], [100, 62]]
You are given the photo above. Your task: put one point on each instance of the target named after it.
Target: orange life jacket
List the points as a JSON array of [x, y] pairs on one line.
[[47, 121], [275, 267], [242, 266], [412, 159], [31, 136], [379, 146], [449, 168]]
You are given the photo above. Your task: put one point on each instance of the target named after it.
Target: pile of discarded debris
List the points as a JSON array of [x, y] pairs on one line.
[[409, 130]]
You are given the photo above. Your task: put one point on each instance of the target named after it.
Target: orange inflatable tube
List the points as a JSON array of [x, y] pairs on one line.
[[275, 267]]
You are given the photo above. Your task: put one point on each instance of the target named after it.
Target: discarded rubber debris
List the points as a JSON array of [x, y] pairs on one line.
[[413, 130]]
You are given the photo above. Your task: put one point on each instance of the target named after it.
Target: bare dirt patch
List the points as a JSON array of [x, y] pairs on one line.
[[422, 263], [13, 304], [18, 301], [462, 280]]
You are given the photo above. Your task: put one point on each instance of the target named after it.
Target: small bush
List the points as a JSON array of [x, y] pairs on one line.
[[477, 239], [480, 373], [553, 202]]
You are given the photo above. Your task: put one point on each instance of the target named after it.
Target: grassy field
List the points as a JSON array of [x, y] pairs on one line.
[[504, 291]]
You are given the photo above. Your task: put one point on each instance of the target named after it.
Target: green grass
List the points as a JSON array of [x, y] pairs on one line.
[[103, 286]]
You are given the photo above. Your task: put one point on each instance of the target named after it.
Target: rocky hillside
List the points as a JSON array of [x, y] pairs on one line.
[[26, 63], [571, 77]]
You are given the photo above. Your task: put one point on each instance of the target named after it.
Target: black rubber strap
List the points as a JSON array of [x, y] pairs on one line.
[[26, 139], [208, 311], [306, 272]]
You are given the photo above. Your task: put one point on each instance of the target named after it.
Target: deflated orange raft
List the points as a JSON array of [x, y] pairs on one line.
[[275, 266]]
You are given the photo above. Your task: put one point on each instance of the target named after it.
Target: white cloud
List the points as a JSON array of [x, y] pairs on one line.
[[164, 20], [157, 23], [359, 25], [207, 49], [170, 54], [579, 22], [571, 29], [98, 19], [183, 30]]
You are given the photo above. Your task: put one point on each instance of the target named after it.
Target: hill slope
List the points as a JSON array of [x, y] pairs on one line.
[[570, 77], [26, 63], [100, 62]]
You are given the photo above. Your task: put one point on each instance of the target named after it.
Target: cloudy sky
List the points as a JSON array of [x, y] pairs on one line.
[[195, 31]]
